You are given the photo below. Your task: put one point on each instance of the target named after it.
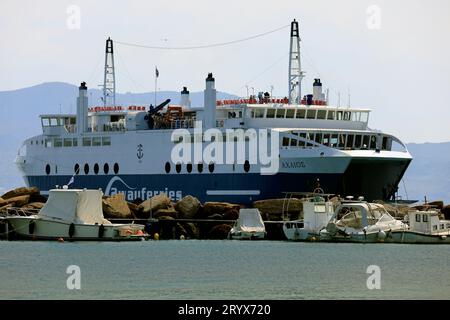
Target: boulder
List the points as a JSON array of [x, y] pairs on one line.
[[437, 204], [36, 197], [446, 212], [169, 212], [215, 216], [160, 201], [23, 191], [210, 208], [34, 205], [219, 231], [4, 208], [116, 207], [134, 208], [3, 202], [272, 209], [231, 215], [18, 201], [191, 229], [188, 207]]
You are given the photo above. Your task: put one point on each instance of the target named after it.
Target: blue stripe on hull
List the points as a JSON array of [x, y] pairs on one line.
[[198, 185]]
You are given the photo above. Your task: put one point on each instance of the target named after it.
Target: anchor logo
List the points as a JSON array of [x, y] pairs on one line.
[[140, 152]]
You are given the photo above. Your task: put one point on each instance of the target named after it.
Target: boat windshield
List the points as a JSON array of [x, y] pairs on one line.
[[350, 218]]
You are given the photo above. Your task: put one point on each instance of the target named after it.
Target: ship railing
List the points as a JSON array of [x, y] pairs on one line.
[[113, 126], [70, 128]]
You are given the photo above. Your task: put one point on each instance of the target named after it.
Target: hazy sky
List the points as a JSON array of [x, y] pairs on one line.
[[393, 56]]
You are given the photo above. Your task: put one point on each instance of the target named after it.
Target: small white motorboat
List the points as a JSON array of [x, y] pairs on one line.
[[361, 221], [249, 226], [424, 227], [317, 212], [73, 214]]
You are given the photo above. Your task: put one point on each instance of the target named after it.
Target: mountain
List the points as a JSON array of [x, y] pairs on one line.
[[428, 174]]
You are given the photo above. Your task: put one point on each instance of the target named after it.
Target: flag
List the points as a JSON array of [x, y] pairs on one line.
[[156, 72], [71, 180]]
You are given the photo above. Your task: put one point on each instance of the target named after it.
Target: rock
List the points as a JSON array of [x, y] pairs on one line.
[[219, 231], [36, 197], [116, 207], [34, 205], [4, 208], [166, 218], [437, 204], [232, 214], [23, 191], [18, 201], [160, 201], [210, 208], [134, 208], [169, 212], [191, 229], [188, 207], [3, 202], [215, 216], [446, 212], [272, 209]]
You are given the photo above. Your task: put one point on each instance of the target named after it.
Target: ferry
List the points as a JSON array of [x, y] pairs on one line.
[[135, 150]]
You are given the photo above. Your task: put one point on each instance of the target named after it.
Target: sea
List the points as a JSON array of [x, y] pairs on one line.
[[222, 269]]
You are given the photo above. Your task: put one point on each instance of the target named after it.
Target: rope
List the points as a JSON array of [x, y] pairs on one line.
[[202, 46]]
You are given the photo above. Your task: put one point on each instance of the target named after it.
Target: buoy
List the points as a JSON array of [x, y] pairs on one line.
[[60, 240], [156, 236], [182, 237], [139, 233], [381, 235]]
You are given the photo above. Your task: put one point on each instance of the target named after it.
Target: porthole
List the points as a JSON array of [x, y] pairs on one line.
[[76, 169], [246, 166], [167, 167], [106, 168], [200, 167], [211, 167], [47, 169], [96, 168], [116, 168], [86, 168], [178, 167], [189, 167]]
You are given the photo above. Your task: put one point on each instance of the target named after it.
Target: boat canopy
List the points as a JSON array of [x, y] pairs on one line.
[[74, 205], [250, 221]]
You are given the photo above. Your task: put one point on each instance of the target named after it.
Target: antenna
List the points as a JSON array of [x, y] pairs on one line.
[[295, 68], [109, 81]]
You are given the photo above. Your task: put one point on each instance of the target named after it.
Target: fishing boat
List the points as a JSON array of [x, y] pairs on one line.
[[249, 226], [73, 214]]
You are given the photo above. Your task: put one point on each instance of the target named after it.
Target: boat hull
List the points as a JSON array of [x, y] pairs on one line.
[[34, 228]]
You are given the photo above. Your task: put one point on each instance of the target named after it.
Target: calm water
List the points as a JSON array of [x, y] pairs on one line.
[[222, 270]]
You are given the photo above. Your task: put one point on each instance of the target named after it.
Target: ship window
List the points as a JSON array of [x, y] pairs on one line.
[[167, 167], [347, 115], [31, 142], [300, 114], [86, 142], [321, 114], [270, 113], [57, 142], [293, 142], [373, 142], [330, 115], [342, 140], [96, 141], [384, 144], [246, 166], [258, 113], [290, 113], [53, 122], [178, 167], [326, 139], [75, 142], [339, 115], [67, 142], [106, 141], [311, 114], [424, 218], [417, 217], [334, 140], [96, 168], [358, 141], [365, 142], [47, 169], [106, 168], [189, 167], [76, 168], [116, 168], [86, 168], [442, 226], [318, 138], [211, 167], [434, 227], [281, 113], [350, 139], [45, 122], [285, 141], [200, 167], [364, 116]]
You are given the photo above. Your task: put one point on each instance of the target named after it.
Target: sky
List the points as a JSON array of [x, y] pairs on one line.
[[389, 56]]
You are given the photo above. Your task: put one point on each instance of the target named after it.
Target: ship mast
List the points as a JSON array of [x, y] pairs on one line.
[[109, 80], [295, 68]]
